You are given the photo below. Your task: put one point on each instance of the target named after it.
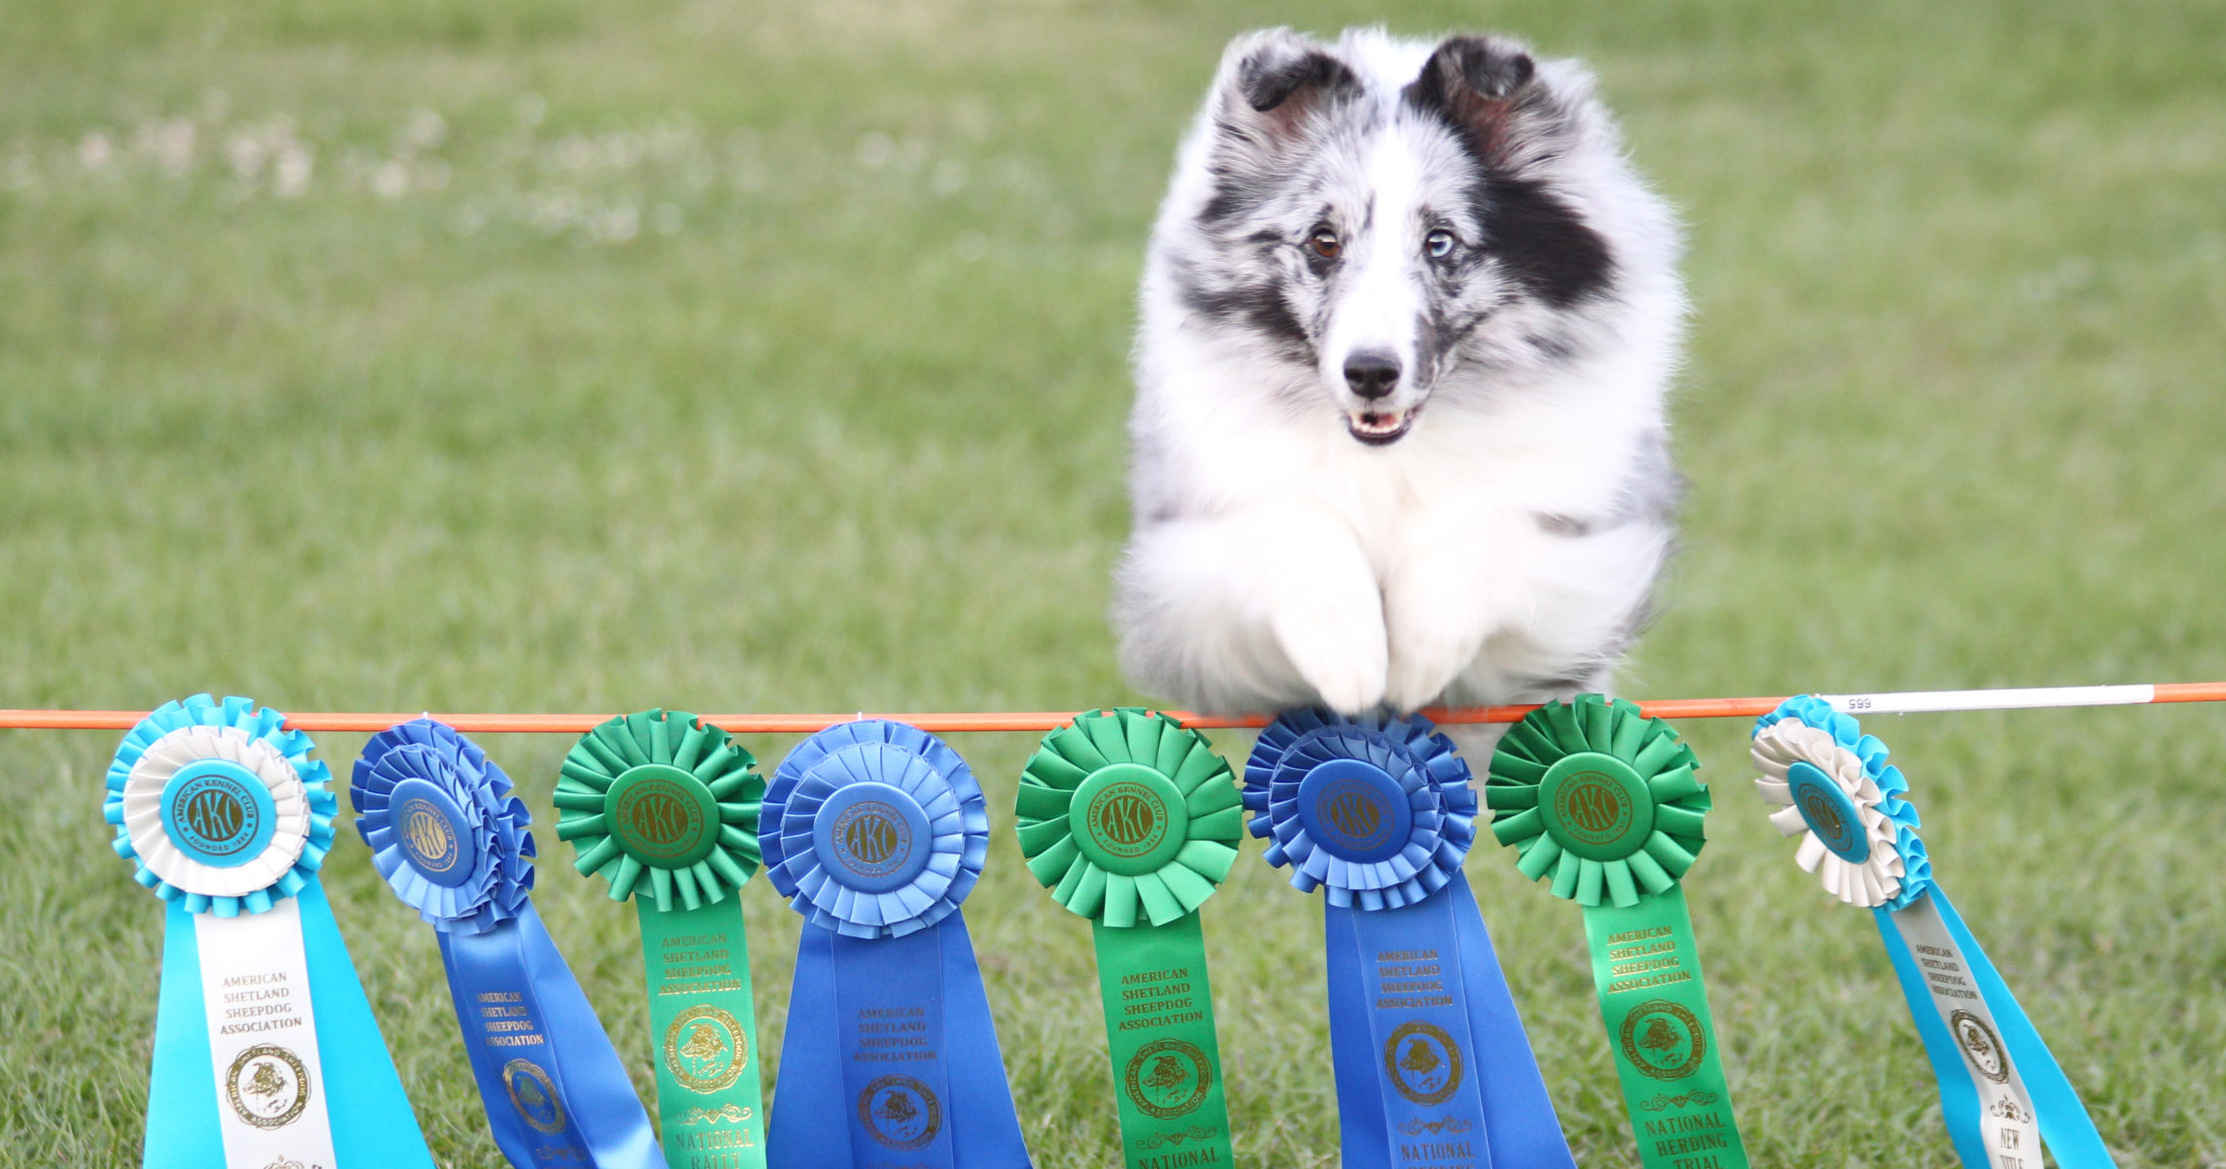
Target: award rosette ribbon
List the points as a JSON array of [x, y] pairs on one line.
[[1131, 820], [1603, 800], [452, 843], [266, 1052], [2001, 1092], [876, 831], [665, 807], [1433, 1067]]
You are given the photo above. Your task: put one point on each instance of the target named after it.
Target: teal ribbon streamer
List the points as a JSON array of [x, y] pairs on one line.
[[372, 1125], [2065, 1127]]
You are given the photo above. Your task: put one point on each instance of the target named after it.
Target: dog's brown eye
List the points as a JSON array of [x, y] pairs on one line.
[[1325, 243]]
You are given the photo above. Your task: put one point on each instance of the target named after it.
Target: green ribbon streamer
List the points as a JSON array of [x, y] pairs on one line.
[[1604, 801], [1664, 1040], [1159, 1032], [703, 1036], [665, 808], [1131, 820]]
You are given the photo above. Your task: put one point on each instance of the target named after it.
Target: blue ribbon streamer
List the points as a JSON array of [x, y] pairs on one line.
[[555, 1093], [372, 1125], [1499, 1110], [2065, 1127], [1378, 814], [815, 1123], [564, 1102], [876, 831]]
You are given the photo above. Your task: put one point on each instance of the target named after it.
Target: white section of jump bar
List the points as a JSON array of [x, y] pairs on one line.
[[1926, 701]]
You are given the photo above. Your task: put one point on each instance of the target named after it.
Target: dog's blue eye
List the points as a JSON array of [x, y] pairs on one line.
[[1439, 243]]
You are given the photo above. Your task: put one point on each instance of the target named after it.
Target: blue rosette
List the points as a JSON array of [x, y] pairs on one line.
[[443, 827], [875, 832], [224, 815], [920, 861], [1378, 813], [1414, 841], [2002, 1093], [452, 842]]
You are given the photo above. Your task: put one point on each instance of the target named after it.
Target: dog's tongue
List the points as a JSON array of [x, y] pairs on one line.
[[1370, 424]]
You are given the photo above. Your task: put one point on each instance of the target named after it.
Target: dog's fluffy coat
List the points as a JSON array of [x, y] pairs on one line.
[[1408, 323]]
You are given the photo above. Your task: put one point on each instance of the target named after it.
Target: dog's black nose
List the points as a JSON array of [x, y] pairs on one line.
[[1372, 373]]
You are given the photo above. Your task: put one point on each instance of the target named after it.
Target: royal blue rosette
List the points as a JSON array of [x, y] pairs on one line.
[[452, 842], [876, 831], [2001, 1091], [224, 815], [467, 868], [1415, 851], [943, 813], [1431, 1060]]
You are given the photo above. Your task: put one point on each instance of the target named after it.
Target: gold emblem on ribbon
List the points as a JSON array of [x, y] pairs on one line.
[[1593, 808], [1980, 1046], [900, 1112], [1127, 819], [426, 836], [533, 1094], [1423, 1062], [705, 1049], [267, 1086], [1663, 1040], [1167, 1078]]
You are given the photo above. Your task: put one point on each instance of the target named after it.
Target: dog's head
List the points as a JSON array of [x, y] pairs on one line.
[[1387, 220]]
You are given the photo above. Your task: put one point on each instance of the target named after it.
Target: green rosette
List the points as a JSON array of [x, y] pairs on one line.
[[1132, 820], [1604, 801], [665, 808]]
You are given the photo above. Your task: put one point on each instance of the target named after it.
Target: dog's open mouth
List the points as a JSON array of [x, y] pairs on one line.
[[1377, 428]]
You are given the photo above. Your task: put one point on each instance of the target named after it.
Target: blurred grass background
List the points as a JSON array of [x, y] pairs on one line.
[[590, 356]]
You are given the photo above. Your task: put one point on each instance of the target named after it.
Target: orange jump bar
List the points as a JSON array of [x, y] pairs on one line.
[[1044, 720]]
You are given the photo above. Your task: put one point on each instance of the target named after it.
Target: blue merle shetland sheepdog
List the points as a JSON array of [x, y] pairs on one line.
[[1409, 320]]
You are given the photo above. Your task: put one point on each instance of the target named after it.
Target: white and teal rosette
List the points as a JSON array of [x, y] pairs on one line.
[[224, 815], [2001, 1092], [443, 828], [1833, 787], [874, 829], [219, 807], [1391, 793]]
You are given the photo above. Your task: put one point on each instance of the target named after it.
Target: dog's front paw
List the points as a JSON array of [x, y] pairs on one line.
[[1338, 648], [1436, 620], [1423, 666]]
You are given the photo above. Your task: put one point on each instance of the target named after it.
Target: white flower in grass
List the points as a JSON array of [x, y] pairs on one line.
[[290, 175]]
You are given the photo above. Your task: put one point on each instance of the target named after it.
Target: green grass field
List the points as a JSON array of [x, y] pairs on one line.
[[572, 356]]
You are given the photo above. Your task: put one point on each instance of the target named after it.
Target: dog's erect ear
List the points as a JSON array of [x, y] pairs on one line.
[[1477, 84], [1273, 80]]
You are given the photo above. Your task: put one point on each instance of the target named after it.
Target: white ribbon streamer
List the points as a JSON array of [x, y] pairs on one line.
[[270, 1085], [2007, 1122]]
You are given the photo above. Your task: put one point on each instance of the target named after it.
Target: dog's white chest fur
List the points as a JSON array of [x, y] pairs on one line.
[[1372, 251]]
